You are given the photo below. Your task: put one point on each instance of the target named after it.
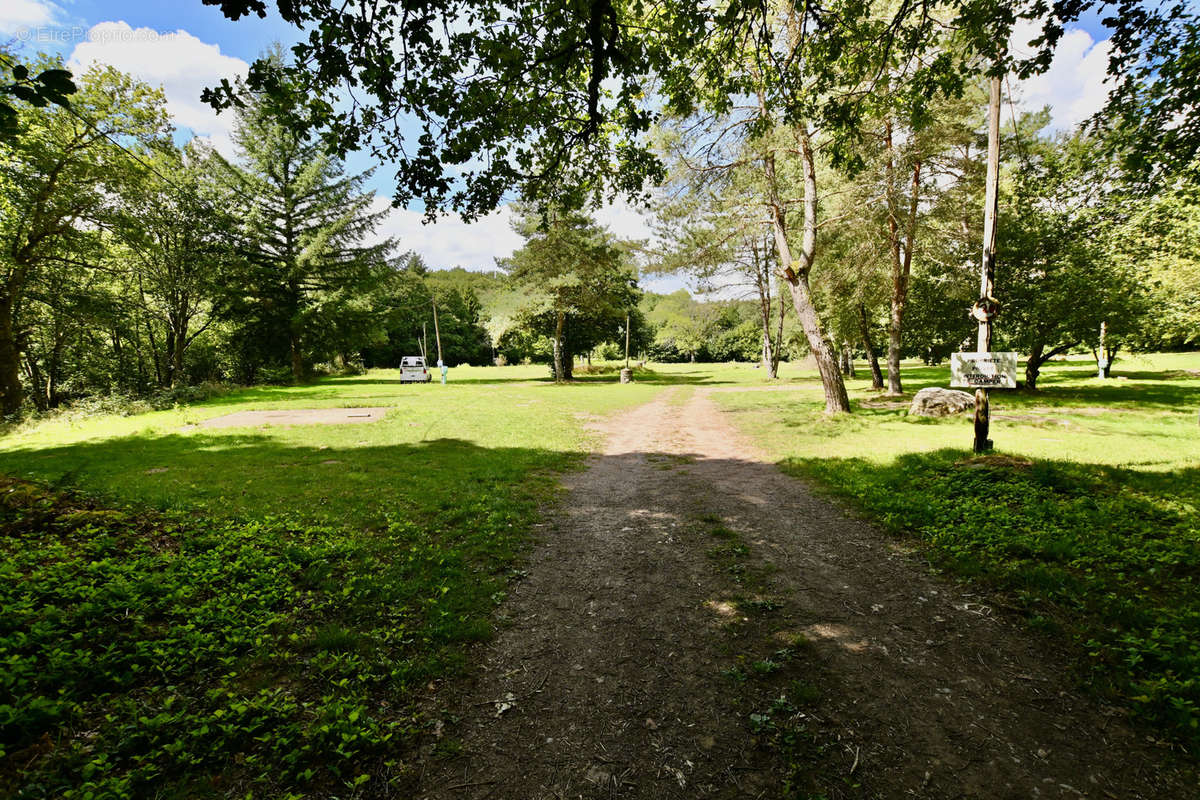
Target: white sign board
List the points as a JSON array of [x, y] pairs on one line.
[[984, 370]]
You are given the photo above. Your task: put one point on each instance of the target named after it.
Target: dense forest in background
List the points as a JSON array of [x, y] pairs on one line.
[[134, 266]]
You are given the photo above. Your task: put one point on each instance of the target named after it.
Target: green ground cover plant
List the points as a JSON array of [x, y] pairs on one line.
[[1088, 516], [143, 652], [194, 613], [216, 612]]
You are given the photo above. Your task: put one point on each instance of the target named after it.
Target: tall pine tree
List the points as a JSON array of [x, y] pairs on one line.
[[301, 290]]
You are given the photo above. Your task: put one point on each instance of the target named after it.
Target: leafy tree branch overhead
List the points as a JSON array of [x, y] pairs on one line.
[[51, 84], [474, 99]]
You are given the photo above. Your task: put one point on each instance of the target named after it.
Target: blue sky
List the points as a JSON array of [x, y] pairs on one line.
[[244, 39], [184, 46]]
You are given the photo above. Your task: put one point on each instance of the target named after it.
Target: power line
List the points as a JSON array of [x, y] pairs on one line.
[[70, 110], [138, 159], [1012, 113], [131, 154]]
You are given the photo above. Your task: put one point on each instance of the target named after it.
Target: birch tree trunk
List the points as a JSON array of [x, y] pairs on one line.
[[777, 353], [762, 279]]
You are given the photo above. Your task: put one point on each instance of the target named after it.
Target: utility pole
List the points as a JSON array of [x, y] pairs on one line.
[[437, 331], [626, 340], [424, 346], [986, 306]]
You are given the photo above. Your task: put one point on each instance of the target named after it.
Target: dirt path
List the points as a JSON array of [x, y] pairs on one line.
[[614, 659]]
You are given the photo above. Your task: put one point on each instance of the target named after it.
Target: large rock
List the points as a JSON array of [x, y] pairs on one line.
[[937, 402]]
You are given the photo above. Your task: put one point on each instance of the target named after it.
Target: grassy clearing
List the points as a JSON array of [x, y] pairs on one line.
[[194, 612], [1088, 517], [430, 449], [199, 613]]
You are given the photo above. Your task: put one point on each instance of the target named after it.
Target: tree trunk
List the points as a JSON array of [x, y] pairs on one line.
[[39, 395], [177, 326], [777, 353], [155, 356], [164, 377], [1105, 355], [901, 249], [762, 282], [560, 322], [1033, 366], [177, 378], [11, 392], [768, 358], [987, 267], [869, 346], [114, 336], [54, 370], [1039, 355], [768, 352], [568, 358], [1112, 356], [297, 358], [796, 274]]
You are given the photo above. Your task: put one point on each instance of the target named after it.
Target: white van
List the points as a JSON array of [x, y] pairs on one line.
[[412, 370]]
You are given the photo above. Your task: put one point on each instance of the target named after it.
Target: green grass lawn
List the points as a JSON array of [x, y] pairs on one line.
[[196, 612], [1088, 519], [211, 612], [437, 445]]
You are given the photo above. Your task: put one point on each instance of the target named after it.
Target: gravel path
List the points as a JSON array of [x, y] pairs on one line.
[[606, 678]]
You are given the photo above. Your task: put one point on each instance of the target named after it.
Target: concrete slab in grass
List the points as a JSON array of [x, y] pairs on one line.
[[295, 416]]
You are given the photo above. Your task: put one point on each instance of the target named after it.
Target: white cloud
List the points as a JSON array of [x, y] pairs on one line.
[[669, 284], [625, 221], [1073, 86], [450, 242], [178, 62], [18, 16]]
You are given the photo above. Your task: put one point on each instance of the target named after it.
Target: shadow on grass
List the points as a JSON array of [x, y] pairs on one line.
[[325, 388], [1115, 394], [450, 378], [696, 378], [248, 475], [279, 394], [356, 617], [289, 601], [1166, 375], [1075, 386], [1108, 555]]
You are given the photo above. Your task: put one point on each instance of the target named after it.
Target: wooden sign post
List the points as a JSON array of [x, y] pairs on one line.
[[986, 306]]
